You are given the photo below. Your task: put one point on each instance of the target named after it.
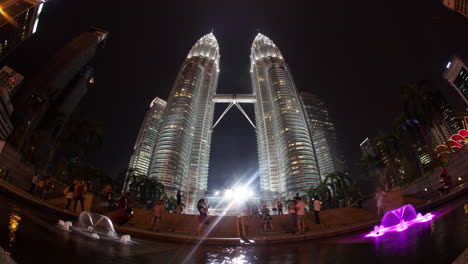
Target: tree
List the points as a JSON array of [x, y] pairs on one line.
[[146, 188]]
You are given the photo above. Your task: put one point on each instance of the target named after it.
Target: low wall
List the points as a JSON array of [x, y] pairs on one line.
[[185, 223]]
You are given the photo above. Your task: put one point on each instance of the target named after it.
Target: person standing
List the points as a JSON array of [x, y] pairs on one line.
[[79, 195], [279, 204], [317, 207], [292, 215], [255, 214], [34, 181], [158, 211], [300, 206], [380, 201], [179, 197], [46, 187], [69, 194], [123, 201], [203, 217], [267, 219]]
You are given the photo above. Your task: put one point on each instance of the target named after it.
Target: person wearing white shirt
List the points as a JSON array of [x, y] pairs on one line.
[[300, 207]]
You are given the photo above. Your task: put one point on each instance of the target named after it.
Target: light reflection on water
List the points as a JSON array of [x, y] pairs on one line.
[[14, 222]]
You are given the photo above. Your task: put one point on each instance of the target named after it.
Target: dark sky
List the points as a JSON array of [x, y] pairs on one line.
[[353, 54]]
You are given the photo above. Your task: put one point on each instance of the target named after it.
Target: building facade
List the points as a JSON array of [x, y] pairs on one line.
[[287, 161], [323, 132], [181, 155], [147, 136], [456, 73], [47, 100], [459, 6], [18, 21]]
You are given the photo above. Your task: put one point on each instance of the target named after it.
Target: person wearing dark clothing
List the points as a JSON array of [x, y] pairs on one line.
[[179, 197], [122, 216], [279, 204], [203, 217], [79, 196], [34, 181], [47, 186]]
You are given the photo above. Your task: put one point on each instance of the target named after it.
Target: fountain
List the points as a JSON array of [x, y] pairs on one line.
[[96, 223], [95, 226], [399, 220]]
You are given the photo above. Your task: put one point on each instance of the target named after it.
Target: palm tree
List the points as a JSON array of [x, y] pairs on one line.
[[146, 188]]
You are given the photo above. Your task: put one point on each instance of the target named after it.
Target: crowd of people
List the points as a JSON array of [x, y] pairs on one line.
[[296, 210]]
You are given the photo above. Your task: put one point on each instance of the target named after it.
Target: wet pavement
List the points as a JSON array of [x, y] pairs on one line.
[[31, 236]]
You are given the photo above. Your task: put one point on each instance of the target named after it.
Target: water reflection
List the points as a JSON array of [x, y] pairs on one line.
[[15, 219]]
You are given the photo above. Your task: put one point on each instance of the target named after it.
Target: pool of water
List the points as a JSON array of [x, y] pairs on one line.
[[32, 236]]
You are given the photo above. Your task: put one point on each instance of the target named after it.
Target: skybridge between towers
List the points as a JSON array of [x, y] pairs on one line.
[[234, 99]]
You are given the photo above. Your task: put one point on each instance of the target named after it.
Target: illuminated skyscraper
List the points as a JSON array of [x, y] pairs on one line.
[[18, 21], [456, 73], [323, 133], [287, 161], [146, 139], [459, 6], [181, 155]]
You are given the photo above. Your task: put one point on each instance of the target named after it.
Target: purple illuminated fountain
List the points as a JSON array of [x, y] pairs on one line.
[[399, 220]]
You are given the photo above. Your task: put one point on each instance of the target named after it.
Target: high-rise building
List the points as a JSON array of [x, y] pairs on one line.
[[48, 99], [459, 6], [366, 148], [287, 160], [18, 21], [323, 132], [181, 155], [456, 74], [9, 82], [146, 139]]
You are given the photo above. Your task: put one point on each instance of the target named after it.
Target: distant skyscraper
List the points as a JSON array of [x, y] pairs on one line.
[[18, 21], [366, 148], [459, 6], [323, 132], [48, 99], [181, 155], [146, 139], [287, 160], [457, 75]]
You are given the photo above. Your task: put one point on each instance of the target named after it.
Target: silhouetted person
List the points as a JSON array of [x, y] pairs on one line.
[[34, 181], [317, 207]]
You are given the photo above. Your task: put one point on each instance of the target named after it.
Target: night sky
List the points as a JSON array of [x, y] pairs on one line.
[[353, 54]]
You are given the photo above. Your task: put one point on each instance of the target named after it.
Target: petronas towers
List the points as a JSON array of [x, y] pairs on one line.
[[180, 157]]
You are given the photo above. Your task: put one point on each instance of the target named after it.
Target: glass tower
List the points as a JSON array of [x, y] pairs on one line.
[[323, 133], [181, 154], [147, 136], [287, 160]]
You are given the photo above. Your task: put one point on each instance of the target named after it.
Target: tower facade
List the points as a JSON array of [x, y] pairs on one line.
[[323, 132], [287, 160], [181, 155], [146, 139], [456, 73], [18, 21]]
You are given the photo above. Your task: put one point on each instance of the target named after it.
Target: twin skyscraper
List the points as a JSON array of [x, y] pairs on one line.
[[181, 150]]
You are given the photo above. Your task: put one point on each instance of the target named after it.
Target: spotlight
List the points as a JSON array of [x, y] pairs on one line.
[[425, 189], [217, 193], [459, 178]]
